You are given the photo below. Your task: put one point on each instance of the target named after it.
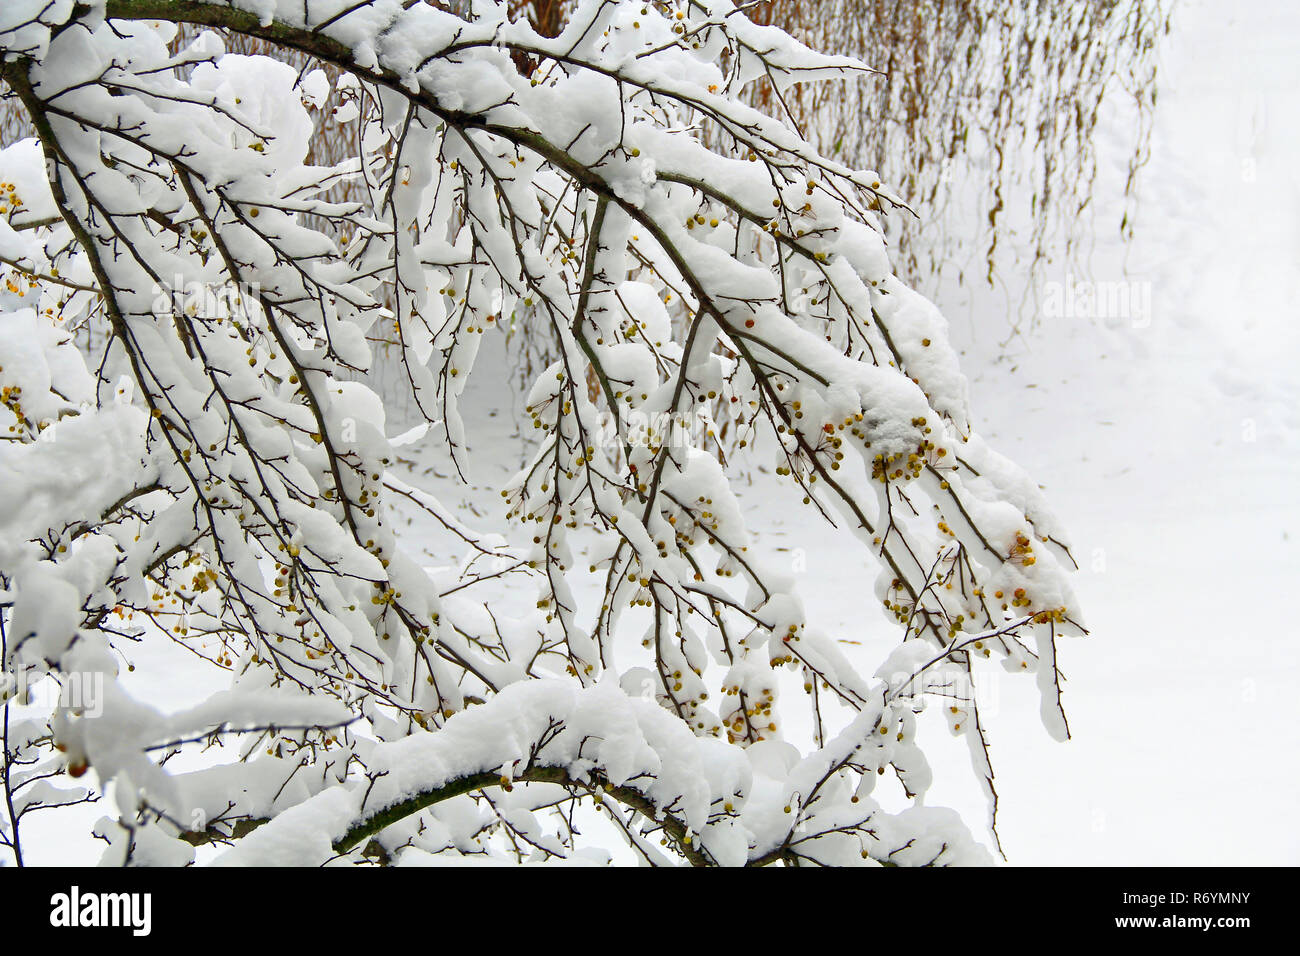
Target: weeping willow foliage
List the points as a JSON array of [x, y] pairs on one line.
[[1003, 94]]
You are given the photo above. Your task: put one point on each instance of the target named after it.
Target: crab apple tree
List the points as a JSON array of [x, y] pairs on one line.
[[209, 474]]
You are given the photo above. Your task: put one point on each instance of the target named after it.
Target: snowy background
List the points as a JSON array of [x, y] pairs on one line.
[[1166, 438], [1168, 445]]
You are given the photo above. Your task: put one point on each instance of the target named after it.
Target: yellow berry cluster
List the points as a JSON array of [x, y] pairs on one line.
[[759, 715], [1018, 598], [10, 201], [386, 595], [902, 612], [204, 579], [893, 467], [1022, 552], [1055, 616], [11, 398]]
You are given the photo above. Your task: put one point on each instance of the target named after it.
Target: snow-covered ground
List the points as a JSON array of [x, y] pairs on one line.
[[1168, 443]]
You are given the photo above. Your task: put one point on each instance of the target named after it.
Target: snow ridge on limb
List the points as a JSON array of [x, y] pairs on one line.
[[686, 294], [702, 793]]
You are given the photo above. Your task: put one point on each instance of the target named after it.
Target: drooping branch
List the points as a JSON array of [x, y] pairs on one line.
[[792, 321]]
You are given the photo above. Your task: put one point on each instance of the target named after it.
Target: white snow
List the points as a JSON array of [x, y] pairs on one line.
[[1165, 439]]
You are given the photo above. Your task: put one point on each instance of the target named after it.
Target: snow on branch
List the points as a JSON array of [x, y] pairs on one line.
[[215, 478]]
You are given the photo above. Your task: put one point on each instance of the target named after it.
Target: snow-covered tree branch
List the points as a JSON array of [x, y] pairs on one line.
[[219, 479]]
